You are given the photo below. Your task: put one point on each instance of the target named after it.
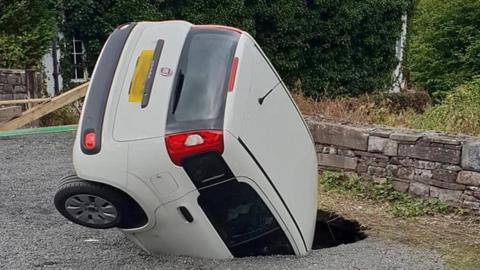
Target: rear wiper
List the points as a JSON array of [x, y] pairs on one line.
[[178, 91]]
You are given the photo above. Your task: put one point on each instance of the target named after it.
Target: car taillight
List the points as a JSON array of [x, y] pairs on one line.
[[89, 141], [219, 27], [182, 145]]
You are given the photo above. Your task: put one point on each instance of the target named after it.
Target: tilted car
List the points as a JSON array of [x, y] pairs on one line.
[[191, 144]]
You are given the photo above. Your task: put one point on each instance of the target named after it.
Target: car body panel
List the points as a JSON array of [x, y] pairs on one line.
[[266, 146], [132, 122]]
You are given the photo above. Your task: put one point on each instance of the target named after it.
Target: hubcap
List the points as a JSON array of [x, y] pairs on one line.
[[91, 209]]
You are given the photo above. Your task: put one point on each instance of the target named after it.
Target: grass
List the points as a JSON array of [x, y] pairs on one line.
[[398, 204], [365, 109], [459, 113], [454, 236]]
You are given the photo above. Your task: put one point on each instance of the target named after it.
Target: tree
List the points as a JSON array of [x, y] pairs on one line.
[[26, 30], [333, 47], [444, 44], [91, 21], [351, 46]]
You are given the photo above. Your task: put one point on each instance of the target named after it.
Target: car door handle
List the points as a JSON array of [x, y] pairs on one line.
[[186, 214]]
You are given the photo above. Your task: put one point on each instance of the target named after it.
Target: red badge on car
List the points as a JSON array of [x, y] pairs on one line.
[[165, 71]]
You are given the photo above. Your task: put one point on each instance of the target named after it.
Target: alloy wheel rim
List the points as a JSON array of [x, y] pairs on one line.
[[91, 209]]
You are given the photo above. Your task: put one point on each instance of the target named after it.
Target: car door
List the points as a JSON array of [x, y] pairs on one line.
[[275, 134]]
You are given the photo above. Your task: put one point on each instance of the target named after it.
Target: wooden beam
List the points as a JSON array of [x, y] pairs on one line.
[[24, 101], [8, 113], [43, 109]]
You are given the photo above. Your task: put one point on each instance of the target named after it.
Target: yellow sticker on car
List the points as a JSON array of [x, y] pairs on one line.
[[137, 85]]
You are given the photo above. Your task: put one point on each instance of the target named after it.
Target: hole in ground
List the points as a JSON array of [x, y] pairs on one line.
[[332, 230]]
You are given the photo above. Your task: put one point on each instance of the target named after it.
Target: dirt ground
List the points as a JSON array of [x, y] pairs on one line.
[[456, 237]]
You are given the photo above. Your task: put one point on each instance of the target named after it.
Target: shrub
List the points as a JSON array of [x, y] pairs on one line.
[[444, 44], [67, 115], [93, 22], [26, 30], [458, 113], [334, 47], [350, 46], [398, 102]]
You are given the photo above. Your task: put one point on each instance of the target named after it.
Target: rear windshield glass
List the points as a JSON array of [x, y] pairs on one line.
[[199, 93], [243, 220]]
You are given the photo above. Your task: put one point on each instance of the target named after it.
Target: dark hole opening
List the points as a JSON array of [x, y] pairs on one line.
[[333, 230]]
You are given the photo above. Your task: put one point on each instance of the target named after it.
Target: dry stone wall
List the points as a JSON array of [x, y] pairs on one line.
[[20, 84], [426, 164]]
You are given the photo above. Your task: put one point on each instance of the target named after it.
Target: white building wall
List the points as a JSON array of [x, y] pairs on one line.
[[47, 62]]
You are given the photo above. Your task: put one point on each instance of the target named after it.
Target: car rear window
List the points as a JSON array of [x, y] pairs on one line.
[[200, 88], [243, 220]]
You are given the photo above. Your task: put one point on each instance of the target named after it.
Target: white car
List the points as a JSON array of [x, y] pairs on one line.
[[191, 144]]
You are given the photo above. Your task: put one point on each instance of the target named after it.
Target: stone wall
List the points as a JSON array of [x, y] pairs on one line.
[[426, 164], [20, 84]]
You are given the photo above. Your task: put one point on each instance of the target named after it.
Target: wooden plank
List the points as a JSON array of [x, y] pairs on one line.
[[24, 101], [46, 108], [8, 113]]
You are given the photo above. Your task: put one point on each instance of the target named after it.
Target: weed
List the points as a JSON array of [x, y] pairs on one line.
[[459, 112], [67, 115], [399, 204], [377, 109]]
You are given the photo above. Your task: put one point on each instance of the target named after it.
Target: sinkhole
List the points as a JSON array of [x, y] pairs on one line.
[[333, 230]]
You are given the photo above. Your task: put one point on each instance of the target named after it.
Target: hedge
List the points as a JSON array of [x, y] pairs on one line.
[[351, 45], [328, 47], [26, 31], [444, 44], [92, 22]]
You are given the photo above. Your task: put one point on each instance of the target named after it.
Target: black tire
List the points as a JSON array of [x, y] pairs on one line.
[[68, 178], [72, 187]]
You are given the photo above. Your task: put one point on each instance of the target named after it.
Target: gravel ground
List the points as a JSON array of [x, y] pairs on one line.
[[34, 235]]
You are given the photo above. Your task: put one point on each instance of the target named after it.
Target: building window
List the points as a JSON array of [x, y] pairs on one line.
[[80, 73]]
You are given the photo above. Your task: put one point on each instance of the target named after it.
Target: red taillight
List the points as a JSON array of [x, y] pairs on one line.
[[89, 141], [182, 145], [220, 27], [233, 74]]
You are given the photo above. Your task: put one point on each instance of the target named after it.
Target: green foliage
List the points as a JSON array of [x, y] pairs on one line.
[[93, 20], [399, 204], [26, 30], [67, 115], [458, 113], [444, 44], [351, 46], [234, 13], [333, 47], [278, 26]]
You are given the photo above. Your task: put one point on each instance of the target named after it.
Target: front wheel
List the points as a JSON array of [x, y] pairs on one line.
[[90, 204]]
